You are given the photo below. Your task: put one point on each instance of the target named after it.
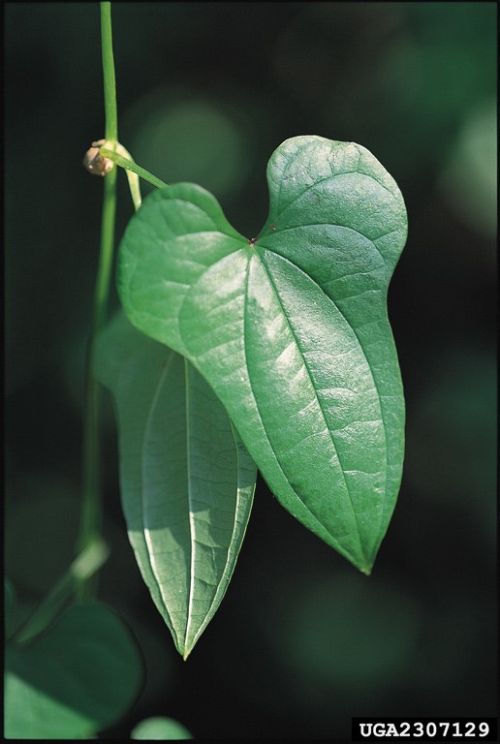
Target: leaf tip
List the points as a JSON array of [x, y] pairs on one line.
[[362, 562], [184, 648]]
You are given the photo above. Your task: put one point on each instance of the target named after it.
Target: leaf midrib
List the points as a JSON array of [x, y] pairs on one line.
[[340, 548], [351, 326], [223, 584], [311, 380], [192, 525]]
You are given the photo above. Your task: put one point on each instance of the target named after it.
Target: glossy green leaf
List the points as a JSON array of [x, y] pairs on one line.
[[187, 482], [77, 678], [160, 729], [290, 329]]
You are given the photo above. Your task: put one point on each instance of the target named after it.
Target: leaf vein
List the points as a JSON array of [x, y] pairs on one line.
[[311, 380], [342, 549], [332, 177], [377, 389]]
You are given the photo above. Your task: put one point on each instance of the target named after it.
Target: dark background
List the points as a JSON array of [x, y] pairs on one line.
[[206, 91]]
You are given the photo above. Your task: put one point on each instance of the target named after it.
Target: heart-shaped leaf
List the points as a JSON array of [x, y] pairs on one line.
[[290, 329], [187, 482], [77, 678]]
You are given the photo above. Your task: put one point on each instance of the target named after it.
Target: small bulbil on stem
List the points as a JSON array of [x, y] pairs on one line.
[[94, 162]]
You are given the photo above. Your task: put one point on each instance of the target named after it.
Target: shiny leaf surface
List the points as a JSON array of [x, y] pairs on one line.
[[187, 482], [290, 328]]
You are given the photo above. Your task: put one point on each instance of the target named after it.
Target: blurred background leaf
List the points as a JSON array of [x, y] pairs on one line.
[[160, 728], [469, 180], [206, 91], [80, 675]]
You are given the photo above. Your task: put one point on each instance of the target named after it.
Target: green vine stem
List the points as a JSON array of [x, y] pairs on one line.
[[81, 577], [91, 515], [80, 571], [108, 68]]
